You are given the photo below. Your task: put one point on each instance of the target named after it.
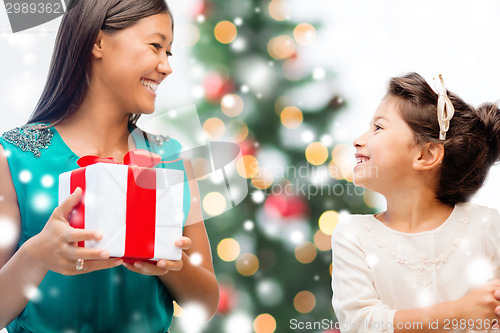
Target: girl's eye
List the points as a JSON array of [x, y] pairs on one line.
[[377, 127]]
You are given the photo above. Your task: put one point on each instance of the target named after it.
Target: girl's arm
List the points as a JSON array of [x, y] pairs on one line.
[[359, 309], [22, 271]]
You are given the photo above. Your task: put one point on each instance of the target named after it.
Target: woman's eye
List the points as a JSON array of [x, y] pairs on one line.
[[156, 46], [169, 54]]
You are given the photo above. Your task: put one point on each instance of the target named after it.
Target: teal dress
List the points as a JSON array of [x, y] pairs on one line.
[[111, 300]]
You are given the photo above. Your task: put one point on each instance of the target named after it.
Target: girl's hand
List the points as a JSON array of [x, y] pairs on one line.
[[481, 305], [56, 248], [163, 266]]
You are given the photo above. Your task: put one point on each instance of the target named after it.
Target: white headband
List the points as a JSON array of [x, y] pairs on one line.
[[445, 109]]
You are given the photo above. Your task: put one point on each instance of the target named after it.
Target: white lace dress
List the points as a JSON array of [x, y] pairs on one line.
[[378, 270]]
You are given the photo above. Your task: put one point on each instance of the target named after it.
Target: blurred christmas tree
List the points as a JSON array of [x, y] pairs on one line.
[[272, 252]]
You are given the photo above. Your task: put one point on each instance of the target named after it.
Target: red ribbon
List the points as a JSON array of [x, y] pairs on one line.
[[141, 200]]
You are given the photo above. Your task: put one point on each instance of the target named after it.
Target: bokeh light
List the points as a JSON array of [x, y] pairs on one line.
[[316, 153], [304, 301], [25, 176], [214, 128], [305, 252], [9, 232], [228, 249], [264, 178], [247, 264], [328, 221], [279, 10], [264, 323], [291, 117], [304, 34], [225, 32], [247, 166], [214, 203], [342, 162], [238, 322], [232, 105], [193, 35], [237, 130], [47, 181], [270, 292], [322, 241], [281, 47]]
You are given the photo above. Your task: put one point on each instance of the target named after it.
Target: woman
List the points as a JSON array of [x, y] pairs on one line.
[[108, 60]]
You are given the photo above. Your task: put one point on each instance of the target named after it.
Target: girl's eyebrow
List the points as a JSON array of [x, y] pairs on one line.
[[380, 117]]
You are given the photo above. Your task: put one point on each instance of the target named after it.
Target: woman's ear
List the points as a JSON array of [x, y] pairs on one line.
[[430, 156], [97, 50]]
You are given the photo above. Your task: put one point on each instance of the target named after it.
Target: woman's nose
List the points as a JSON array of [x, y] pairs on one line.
[[164, 66]]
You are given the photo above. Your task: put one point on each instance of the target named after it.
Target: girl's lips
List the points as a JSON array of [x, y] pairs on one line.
[[361, 158]]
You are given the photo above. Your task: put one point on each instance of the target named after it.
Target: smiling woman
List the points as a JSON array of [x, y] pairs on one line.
[[109, 58]]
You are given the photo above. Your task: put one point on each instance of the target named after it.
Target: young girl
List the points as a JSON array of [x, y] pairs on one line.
[[427, 263], [109, 57]]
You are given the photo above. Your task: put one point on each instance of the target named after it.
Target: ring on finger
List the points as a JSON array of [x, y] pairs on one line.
[[79, 264]]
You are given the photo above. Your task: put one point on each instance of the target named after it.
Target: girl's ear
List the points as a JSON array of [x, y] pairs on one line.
[[430, 156], [97, 50]]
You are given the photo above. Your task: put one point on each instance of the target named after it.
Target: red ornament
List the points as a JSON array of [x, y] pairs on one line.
[[248, 147], [216, 87], [226, 300], [286, 206]]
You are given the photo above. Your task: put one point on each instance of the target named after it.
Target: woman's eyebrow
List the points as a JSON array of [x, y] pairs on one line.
[[162, 36]]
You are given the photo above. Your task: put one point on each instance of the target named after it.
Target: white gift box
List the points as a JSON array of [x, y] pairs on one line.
[[108, 205]]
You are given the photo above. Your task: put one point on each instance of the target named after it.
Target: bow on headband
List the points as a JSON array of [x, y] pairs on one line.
[[445, 109]]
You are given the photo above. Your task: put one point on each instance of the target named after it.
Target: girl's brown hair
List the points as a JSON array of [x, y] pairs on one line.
[[472, 143]]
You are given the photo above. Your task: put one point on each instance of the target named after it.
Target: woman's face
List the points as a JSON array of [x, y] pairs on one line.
[[132, 62]]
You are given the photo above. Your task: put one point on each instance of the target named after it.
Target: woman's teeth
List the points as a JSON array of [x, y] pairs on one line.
[[361, 159], [151, 85]]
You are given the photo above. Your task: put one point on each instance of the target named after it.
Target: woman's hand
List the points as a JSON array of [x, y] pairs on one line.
[[163, 266], [56, 248]]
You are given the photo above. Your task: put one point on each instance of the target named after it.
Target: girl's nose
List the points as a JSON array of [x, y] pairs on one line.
[[358, 142]]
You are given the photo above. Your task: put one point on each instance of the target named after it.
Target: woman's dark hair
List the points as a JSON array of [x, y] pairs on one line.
[[69, 72], [472, 142]]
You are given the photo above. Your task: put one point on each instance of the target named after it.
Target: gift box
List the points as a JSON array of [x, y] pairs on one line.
[[137, 208]]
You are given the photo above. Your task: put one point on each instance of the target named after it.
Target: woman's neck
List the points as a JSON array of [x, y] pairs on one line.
[[96, 129], [414, 211]]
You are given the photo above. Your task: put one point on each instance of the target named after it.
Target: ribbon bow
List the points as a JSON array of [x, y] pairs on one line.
[[135, 157], [445, 108]]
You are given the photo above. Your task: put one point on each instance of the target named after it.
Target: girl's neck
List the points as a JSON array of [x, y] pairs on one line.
[[415, 212]]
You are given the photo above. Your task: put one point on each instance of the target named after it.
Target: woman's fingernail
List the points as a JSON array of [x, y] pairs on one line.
[[97, 235], [138, 264], [120, 262], [104, 254], [162, 264], [125, 264]]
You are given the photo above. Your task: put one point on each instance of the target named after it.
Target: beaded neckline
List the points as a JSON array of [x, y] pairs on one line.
[[35, 137], [30, 138]]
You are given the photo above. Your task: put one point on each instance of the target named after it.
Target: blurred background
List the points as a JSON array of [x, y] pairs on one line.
[[292, 83]]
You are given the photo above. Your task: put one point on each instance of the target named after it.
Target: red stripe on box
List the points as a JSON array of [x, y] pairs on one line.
[[77, 216], [141, 213]]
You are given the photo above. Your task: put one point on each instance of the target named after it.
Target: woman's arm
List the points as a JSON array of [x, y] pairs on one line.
[[189, 281], [53, 248]]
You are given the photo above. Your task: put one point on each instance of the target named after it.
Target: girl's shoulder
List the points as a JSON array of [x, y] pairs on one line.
[[351, 225], [482, 215]]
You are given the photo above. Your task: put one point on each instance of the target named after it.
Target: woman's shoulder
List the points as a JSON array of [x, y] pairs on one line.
[[164, 145], [32, 138]]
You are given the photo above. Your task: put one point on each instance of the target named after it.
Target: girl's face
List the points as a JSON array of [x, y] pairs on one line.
[[385, 153], [132, 63]]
